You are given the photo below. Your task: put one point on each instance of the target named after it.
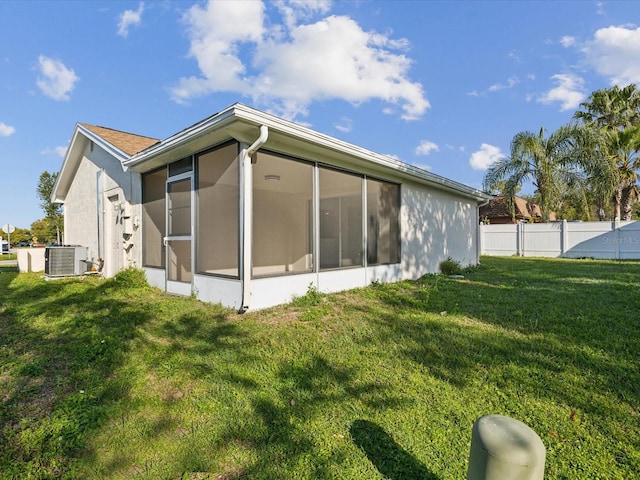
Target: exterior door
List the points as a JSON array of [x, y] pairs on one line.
[[178, 240], [113, 263]]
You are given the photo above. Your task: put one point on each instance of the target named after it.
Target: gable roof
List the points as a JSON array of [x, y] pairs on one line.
[[129, 143], [120, 145], [243, 124]]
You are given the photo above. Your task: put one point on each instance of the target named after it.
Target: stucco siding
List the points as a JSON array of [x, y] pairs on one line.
[[436, 225], [81, 210], [102, 211]]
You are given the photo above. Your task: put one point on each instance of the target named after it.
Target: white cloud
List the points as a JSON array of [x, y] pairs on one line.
[[569, 92], [6, 130], [514, 56], [483, 158], [332, 58], [57, 151], [460, 149], [128, 19], [215, 39], [613, 52], [56, 80], [426, 147], [567, 41], [295, 10], [344, 125], [511, 82]]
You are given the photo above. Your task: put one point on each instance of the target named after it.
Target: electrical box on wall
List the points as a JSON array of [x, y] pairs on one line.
[[127, 226]]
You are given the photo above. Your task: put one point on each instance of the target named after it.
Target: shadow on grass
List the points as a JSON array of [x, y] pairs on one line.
[[553, 319], [303, 390], [389, 458], [63, 345]]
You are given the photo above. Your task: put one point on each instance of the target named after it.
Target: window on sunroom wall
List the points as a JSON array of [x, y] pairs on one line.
[[217, 238], [341, 236], [282, 216], [153, 218]]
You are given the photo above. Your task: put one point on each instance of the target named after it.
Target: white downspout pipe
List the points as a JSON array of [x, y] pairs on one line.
[[247, 217], [480, 230]]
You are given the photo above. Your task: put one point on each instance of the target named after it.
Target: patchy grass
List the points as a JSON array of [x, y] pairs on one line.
[[114, 379]]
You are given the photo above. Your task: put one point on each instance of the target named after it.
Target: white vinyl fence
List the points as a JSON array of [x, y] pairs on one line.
[[612, 240]]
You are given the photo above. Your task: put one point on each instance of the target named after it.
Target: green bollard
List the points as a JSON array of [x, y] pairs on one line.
[[503, 448]]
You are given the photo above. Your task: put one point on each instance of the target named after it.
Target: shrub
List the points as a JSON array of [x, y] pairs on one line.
[[450, 267], [312, 298], [131, 278]]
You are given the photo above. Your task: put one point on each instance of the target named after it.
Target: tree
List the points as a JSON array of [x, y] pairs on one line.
[[20, 235], [48, 229], [612, 116], [46, 182], [549, 163], [613, 108], [624, 146]]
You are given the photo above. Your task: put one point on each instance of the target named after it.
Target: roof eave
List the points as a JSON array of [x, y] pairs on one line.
[[73, 157], [244, 115]]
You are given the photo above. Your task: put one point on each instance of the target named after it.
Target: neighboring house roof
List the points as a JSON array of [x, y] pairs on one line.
[[242, 123], [498, 208], [129, 143]]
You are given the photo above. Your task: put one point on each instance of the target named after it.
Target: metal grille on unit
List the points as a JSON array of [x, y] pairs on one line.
[[65, 260]]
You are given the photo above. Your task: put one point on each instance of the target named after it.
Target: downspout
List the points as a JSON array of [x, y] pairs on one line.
[[247, 216], [480, 228], [100, 211]]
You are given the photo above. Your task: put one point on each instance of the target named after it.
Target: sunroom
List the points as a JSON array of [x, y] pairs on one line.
[[249, 210]]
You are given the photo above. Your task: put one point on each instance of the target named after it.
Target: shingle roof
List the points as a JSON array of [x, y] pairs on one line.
[[129, 143], [498, 207]]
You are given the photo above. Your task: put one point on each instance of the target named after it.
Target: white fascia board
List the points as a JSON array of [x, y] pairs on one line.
[[73, 157], [250, 116], [106, 146], [298, 131], [56, 196], [180, 138]]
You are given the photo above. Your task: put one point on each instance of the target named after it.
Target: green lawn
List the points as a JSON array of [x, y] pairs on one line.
[[113, 379]]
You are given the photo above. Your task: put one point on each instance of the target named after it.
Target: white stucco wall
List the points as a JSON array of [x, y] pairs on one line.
[[436, 225], [101, 182]]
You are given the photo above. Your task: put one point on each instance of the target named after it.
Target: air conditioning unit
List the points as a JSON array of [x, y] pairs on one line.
[[65, 260]]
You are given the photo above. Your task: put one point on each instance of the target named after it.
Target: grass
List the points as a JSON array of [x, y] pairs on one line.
[[114, 379]]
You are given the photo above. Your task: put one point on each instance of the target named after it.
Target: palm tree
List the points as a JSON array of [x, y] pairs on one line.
[[624, 148], [613, 116], [549, 163], [613, 107]]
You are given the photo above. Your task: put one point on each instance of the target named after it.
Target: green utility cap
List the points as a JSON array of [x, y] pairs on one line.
[[503, 448]]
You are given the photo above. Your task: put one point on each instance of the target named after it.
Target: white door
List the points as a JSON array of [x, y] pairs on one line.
[[113, 262], [178, 240]]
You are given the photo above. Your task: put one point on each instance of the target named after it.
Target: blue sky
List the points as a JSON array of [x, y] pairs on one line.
[[441, 85]]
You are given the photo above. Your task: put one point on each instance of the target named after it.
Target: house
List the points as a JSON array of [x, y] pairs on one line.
[[497, 211], [248, 210]]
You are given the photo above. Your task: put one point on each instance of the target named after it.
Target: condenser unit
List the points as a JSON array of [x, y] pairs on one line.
[[65, 260]]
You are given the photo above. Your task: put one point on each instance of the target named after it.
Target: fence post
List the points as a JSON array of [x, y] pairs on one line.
[[503, 448], [563, 237], [615, 225], [520, 237]]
